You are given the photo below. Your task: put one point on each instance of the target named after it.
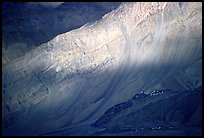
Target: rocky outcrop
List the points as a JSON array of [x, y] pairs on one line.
[[156, 109]]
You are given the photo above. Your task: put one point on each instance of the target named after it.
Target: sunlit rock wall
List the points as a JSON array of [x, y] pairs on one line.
[[26, 25], [77, 76]]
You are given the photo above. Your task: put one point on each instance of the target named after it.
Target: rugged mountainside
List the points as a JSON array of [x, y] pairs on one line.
[[26, 25], [161, 112], [74, 78]]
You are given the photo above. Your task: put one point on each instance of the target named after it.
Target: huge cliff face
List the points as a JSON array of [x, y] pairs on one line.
[[78, 75]]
